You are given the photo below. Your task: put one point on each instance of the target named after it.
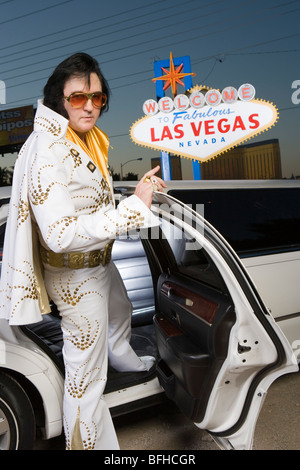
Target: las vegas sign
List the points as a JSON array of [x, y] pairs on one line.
[[203, 123]]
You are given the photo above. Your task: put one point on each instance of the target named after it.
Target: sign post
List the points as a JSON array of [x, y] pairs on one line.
[[183, 64]]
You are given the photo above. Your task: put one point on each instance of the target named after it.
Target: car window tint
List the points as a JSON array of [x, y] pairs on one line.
[[191, 258], [254, 221]]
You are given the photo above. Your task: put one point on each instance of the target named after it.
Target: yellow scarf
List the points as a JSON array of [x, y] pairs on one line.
[[96, 147]]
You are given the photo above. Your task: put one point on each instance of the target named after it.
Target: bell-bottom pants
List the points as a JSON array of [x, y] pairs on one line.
[[96, 318]]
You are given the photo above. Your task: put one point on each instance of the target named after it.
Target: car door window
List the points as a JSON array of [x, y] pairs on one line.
[[190, 257]]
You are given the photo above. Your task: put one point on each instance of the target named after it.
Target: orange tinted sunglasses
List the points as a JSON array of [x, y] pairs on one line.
[[78, 99]]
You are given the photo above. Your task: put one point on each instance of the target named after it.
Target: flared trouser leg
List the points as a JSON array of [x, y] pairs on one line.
[[82, 299], [121, 355]]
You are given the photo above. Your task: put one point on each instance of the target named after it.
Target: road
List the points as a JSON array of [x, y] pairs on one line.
[[164, 428]]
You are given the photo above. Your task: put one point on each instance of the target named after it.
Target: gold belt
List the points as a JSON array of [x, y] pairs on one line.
[[77, 260]]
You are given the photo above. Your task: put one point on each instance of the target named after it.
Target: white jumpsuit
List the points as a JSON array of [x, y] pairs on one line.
[[59, 189]]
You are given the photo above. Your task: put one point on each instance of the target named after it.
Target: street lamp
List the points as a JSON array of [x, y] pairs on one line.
[[122, 164]]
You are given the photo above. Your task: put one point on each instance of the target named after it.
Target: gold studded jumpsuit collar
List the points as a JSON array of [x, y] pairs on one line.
[[50, 122]]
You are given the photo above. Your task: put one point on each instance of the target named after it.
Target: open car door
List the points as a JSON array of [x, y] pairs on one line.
[[219, 348]]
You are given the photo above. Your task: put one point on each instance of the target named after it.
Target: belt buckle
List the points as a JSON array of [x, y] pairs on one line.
[[94, 258], [76, 260], [106, 257], [55, 259]]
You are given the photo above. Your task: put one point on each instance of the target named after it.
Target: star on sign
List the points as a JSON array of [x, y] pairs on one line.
[[173, 76]]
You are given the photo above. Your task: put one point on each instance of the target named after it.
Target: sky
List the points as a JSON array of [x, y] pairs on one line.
[[229, 42]]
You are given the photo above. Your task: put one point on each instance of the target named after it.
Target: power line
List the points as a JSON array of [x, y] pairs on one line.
[[101, 19], [151, 30], [284, 51], [104, 34], [126, 20], [263, 43], [147, 42], [195, 61], [34, 12], [190, 40], [231, 52]]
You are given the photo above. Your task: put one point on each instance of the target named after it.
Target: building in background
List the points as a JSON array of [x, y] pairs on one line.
[[252, 161], [260, 160]]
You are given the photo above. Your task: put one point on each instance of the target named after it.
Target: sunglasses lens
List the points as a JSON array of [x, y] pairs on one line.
[[99, 100], [78, 100]]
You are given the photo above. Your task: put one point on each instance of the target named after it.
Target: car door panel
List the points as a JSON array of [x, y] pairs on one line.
[[192, 334], [219, 348]]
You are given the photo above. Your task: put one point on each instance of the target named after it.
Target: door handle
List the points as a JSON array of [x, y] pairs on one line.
[[179, 299]]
